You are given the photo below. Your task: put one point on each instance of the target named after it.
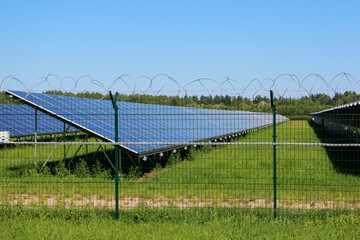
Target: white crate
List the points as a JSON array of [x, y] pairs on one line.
[[4, 136]]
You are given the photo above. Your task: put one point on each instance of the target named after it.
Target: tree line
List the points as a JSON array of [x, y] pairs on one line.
[[293, 108]]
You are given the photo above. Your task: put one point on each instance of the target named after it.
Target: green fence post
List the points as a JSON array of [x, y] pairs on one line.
[[274, 150], [116, 155]]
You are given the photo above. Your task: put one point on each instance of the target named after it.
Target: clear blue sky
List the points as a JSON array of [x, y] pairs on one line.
[[184, 39]]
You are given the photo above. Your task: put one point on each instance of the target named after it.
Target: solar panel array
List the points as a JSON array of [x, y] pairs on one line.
[[19, 120], [341, 121], [146, 122], [344, 106]]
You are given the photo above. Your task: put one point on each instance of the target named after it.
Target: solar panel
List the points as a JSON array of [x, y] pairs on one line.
[[344, 106], [145, 122], [19, 120]]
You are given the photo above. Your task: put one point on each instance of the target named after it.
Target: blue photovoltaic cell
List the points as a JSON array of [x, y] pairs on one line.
[[146, 122], [19, 120]]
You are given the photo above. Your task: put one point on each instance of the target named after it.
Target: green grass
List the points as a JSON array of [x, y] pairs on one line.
[[247, 171], [203, 223], [240, 176]]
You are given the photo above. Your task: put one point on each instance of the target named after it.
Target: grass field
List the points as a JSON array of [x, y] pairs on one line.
[[224, 192], [230, 176], [203, 223]]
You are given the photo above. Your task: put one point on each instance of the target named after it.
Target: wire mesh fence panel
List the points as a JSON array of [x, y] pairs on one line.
[[53, 179], [194, 174], [47, 161], [321, 174], [188, 148]]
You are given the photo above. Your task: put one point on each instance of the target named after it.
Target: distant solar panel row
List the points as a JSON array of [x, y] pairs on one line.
[[146, 122], [344, 118], [19, 120], [341, 107]]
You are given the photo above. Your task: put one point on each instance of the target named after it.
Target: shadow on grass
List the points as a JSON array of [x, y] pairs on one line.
[[91, 164], [346, 160], [98, 164]]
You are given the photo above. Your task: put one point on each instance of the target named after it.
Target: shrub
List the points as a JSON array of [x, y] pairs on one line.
[[81, 169]]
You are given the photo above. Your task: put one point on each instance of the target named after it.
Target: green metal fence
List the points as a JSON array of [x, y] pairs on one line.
[[297, 166]]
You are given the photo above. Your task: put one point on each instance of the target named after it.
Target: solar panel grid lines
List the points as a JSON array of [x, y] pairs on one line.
[[36, 97], [19, 120], [140, 122], [10, 118]]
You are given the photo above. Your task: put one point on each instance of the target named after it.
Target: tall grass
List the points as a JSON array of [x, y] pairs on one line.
[[203, 223]]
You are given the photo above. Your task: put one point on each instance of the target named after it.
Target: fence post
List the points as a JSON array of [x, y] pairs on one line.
[[116, 155], [274, 150], [36, 135]]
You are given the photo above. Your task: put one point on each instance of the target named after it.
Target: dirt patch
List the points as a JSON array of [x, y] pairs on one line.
[[152, 174], [95, 201]]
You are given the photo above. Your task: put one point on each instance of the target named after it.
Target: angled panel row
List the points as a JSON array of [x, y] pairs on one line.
[[145, 122]]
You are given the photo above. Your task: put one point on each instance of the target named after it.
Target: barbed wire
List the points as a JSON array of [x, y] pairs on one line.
[[283, 85]]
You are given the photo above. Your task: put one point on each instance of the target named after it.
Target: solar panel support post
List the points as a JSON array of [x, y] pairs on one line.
[[274, 151], [113, 100], [53, 151]]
